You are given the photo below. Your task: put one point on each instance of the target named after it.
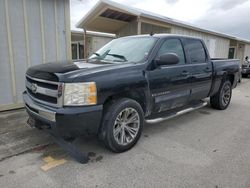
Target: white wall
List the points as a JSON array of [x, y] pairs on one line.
[[129, 29], [98, 42], [94, 42], [218, 47], [247, 50], [31, 32], [147, 28]]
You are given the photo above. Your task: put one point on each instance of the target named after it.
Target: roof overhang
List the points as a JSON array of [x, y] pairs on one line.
[[107, 17], [92, 33]]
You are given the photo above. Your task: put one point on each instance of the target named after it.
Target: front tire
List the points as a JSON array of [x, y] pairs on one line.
[[222, 98], [122, 125]]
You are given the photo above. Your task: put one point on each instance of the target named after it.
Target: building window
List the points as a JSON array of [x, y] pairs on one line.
[[74, 51], [81, 51], [77, 50], [231, 53]]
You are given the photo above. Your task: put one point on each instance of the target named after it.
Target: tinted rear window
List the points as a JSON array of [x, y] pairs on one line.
[[196, 51]]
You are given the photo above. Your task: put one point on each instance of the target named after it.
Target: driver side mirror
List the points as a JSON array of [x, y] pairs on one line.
[[167, 59]]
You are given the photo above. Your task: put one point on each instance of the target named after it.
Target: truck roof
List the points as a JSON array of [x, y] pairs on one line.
[[163, 35]]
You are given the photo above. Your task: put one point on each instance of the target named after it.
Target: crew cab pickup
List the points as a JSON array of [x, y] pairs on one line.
[[127, 82]]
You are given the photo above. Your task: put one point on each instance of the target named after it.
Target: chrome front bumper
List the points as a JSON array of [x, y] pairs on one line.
[[39, 111], [66, 121]]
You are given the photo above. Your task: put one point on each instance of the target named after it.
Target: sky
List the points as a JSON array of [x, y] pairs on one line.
[[227, 16]]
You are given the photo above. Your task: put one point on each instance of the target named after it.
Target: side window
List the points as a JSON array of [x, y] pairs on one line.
[[172, 46], [196, 51]]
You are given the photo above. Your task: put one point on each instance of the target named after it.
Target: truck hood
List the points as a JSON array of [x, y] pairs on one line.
[[69, 69]]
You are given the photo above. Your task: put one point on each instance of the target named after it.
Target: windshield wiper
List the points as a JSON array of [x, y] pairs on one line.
[[97, 54], [118, 56]]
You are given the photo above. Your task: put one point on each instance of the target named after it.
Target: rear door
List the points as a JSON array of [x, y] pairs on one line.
[[198, 59], [170, 85]]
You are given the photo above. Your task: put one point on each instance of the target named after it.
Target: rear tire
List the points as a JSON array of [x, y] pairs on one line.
[[122, 125], [244, 75], [222, 98]]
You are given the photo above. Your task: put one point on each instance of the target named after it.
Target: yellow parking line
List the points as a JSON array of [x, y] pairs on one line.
[[51, 163]]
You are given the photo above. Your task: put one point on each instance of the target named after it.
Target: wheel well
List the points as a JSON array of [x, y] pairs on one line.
[[137, 96], [231, 78]]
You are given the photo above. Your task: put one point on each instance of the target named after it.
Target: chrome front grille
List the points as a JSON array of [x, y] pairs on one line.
[[44, 91]]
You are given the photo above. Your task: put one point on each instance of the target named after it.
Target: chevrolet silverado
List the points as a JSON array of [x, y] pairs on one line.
[[129, 81]]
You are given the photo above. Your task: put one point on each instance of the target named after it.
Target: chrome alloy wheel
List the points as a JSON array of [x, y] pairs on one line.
[[126, 126], [226, 95]]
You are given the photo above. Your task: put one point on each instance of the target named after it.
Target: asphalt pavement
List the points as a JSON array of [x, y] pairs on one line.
[[204, 148]]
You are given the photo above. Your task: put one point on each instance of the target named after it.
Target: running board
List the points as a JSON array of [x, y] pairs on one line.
[[175, 114]]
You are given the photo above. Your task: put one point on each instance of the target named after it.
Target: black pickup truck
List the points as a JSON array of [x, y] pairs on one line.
[[127, 82]]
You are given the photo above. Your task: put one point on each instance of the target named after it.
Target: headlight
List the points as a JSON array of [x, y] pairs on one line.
[[76, 94]]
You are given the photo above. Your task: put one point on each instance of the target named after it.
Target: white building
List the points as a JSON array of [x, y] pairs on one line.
[[111, 17], [94, 42]]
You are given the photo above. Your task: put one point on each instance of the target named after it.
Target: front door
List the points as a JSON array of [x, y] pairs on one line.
[[170, 85]]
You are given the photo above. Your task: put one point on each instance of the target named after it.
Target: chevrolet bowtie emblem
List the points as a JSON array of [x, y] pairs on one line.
[[33, 88]]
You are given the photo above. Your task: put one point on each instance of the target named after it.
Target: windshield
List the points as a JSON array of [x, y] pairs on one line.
[[130, 49]]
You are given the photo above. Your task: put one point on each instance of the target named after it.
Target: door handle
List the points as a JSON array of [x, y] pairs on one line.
[[185, 73], [207, 69]]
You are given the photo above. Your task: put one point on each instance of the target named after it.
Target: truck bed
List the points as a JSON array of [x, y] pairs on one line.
[[223, 67]]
